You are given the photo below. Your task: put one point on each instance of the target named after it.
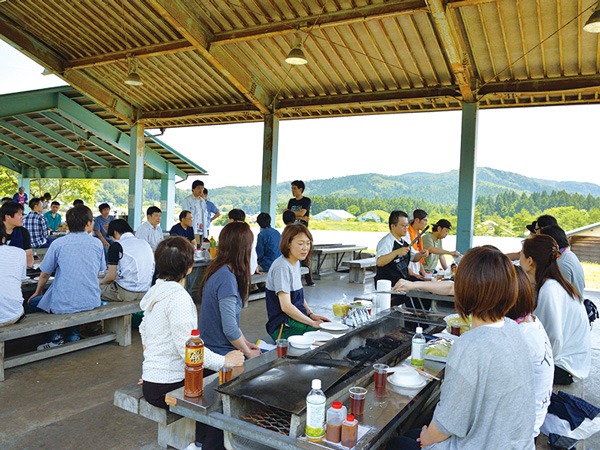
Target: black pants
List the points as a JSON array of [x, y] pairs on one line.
[[406, 442], [562, 377], [211, 438]]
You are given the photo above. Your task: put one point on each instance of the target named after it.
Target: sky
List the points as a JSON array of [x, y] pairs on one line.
[[554, 143]]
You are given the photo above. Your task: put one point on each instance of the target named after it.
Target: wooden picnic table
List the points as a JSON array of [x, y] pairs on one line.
[[321, 252]]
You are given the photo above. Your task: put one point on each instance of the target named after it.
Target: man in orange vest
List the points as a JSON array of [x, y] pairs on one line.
[[416, 226]]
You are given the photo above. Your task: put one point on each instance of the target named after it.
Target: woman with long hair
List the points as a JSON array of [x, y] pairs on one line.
[[287, 309], [560, 309], [169, 318], [225, 289], [489, 374]]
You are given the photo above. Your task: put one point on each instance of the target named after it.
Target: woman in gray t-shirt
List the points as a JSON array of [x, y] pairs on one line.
[[487, 398]]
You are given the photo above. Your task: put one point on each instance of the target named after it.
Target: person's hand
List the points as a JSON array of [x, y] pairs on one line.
[[35, 294], [106, 244], [235, 357], [252, 346], [140, 381], [320, 318], [455, 253], [422, 437], [253, 352], [422, 254], [402, 251], [418, 276]]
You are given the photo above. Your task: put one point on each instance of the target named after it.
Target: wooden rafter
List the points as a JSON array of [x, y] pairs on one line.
[[452, 47]]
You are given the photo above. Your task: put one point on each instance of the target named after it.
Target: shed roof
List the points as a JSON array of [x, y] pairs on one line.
[[221, 61], [582, 230], [41, 132]]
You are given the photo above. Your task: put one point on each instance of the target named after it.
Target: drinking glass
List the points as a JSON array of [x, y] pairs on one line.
[[282, 347]]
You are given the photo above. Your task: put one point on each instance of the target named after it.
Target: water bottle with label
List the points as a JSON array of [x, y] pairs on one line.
[[417, 354], [315, 413]]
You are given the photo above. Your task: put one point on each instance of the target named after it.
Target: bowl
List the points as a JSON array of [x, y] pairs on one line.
[[407, 377], [300, 341]]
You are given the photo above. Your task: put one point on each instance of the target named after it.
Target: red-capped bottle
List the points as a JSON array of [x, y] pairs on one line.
[[194, 366]]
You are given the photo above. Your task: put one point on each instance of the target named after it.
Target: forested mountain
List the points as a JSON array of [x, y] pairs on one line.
[[423, 188]]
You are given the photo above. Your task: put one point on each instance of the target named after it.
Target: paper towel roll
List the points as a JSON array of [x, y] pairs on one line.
[[384, 301]]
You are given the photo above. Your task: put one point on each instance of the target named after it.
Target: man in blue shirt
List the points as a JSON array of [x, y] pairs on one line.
[[267, 243], [76, 260], [101, 224], [53, 218], [211, 209], [185, 227]]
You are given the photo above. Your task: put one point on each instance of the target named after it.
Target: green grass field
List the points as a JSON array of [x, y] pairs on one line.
[[592, 275]]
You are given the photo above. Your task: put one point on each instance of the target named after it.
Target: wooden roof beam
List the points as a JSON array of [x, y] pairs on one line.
[[147, 51], [191, 26], [369, 97], [360, 14], [452, 46], [187, 113], [587, 83], [53, 62]]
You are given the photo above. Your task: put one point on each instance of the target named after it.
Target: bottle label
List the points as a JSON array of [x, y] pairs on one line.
[[194, 356], [417, 355], [315, 420]]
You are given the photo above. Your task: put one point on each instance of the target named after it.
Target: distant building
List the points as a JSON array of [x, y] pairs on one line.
[[373, 216], [585, 242], [333, 214]]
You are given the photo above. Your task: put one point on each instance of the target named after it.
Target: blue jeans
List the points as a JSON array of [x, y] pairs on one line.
[[70, 334]]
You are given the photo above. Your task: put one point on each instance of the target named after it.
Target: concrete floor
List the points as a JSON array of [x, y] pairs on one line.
[[65, 403]]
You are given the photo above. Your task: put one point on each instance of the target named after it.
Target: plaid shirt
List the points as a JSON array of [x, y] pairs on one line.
[[37, 226]]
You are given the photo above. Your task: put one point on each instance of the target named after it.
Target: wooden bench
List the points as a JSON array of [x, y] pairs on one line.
[[359, 267], [117, 327], [173, 430]]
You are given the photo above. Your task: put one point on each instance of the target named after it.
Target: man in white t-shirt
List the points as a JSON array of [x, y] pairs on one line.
[[150, 231], [13, 269], [394, 252]]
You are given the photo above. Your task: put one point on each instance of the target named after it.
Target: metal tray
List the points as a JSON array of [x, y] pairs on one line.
[[285, 382]]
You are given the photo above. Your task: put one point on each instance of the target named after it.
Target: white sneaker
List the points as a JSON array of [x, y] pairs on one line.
[[52, 344], [193, 446]]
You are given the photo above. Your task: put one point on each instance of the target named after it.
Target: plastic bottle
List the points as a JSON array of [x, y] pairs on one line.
[[315, 413], [335, 416], [213, 248], [417, 354], [194, 366], [349, 431]]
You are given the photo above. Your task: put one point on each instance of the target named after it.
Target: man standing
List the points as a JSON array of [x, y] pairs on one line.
[[76, 258], [53, 218], [185, 228], [150, 230], [130, 265], [212, 211], [197, 206], [20, 197], [101, 223], [11, 215], [299, 205], [394, 253], [432, 242], [417, 225], [36, 224]]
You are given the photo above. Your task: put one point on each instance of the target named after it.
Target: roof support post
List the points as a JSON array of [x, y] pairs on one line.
[[466, 177], [136, 175], [167, 199], [26, 183], [268, 190]]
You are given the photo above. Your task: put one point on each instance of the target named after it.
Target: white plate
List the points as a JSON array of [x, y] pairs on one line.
[[318, 335], [412, 386], [333, 326], [443, 359], [300, 341]]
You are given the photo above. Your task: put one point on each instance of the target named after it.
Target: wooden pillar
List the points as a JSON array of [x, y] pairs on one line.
[[467, 177], [136, 176], [167, 199], [268, 191]]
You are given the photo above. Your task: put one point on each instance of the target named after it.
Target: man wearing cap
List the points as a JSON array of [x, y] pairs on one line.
[[432, 242]]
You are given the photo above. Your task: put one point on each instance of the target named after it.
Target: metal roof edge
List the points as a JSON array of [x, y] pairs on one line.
[[582, 229]]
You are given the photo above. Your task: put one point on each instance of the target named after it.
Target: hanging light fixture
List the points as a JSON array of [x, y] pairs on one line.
[[593, 23], [133, 77], [296, 56]]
